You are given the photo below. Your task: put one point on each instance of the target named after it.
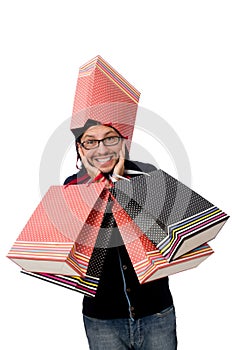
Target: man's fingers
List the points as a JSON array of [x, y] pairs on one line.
[[80, 150], [123, 150], [91, 170]]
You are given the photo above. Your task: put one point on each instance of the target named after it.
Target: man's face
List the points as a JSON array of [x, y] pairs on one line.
[[103, 157]]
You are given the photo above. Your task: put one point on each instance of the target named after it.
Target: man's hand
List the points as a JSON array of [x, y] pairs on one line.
[[91, 170], [119, 167]]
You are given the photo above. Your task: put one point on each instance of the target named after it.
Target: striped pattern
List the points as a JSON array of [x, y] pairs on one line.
[[112, 74], [63, 228], [156, 262], [185, 229], [85, 254], [103, 95], [147, 260], [175, 218], [40, 251], [79, 262], [87, 286]]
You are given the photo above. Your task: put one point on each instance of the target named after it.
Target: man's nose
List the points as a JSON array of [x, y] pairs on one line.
[[102, 148]]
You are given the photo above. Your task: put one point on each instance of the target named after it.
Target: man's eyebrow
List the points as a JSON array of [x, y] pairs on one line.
[[107, 133]]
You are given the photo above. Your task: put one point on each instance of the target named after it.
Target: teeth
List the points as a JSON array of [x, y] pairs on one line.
[[103, 160]]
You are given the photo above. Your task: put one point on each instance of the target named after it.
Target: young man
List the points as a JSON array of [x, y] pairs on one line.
[[124, 314]]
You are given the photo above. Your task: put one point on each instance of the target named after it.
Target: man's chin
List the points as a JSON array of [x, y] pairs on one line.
[[106, 170]]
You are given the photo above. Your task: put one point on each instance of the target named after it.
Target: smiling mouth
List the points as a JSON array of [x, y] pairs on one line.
[[103, 160]]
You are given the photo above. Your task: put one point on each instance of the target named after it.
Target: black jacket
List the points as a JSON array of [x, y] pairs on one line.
[[119, 294]]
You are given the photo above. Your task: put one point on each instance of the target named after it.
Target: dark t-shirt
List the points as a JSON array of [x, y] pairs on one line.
[[119, 294]]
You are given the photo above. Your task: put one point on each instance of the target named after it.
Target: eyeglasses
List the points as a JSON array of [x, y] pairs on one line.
[[107, 141]]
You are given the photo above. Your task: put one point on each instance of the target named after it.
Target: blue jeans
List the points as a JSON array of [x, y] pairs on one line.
[[156, 332]]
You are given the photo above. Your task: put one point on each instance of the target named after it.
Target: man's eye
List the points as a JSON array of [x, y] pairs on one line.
[[111, 138], [90, 142]]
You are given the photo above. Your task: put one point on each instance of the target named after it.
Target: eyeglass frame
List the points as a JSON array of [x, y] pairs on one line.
[[102, 140]]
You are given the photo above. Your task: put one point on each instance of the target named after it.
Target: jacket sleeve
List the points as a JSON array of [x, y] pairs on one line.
[[69, 179]]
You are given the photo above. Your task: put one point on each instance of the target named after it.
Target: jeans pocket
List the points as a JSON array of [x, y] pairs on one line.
[[165, 311]]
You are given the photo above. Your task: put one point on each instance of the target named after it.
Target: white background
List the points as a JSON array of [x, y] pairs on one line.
[[178, 54]]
